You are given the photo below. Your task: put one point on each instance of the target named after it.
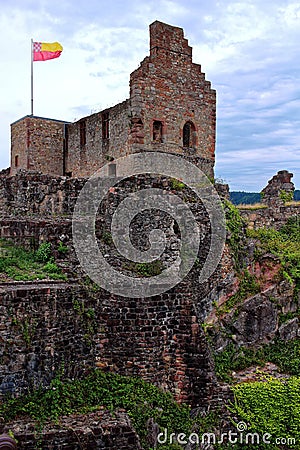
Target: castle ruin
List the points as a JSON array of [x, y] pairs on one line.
[[171, 108]]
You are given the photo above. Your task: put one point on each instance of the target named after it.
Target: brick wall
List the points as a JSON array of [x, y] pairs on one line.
[[87, 149], [158, 338], [170, 88], [19, 146], [34, 194]]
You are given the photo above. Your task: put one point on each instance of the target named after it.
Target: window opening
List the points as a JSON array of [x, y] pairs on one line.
[[157, 131], [112, 170], [82, 133], [105, 125], [189, 135]]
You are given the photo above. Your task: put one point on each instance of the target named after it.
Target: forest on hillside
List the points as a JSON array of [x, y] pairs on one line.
[[249, 198]]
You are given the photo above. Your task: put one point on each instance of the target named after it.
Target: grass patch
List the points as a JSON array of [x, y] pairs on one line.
[[176, 184], [19, 264], [147, 269], [252, 206], [293, 203]]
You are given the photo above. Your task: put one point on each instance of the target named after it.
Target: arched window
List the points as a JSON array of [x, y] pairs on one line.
[[16, 160], [189, 135]]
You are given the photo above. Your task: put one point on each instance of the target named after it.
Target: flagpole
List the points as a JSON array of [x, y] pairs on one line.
[[32, 77]]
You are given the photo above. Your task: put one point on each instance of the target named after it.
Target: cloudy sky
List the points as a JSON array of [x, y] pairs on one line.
[[248, 49]]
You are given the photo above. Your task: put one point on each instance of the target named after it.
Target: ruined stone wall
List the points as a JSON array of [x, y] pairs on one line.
[[169, 88], [35, 195], [270, 217], [43, 324], [39, 145], [275, 209], [47, 325], [98, 430], [88, 149]]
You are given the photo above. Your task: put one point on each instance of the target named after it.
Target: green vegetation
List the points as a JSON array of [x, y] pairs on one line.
[[240, 197], [90, 285], [43, 253], [88, 320], [62, 249], [248, 286], [247, 198], [141, 400], [19, 264], [285, 354], [284, 244], [107, 237], [286, 196], [235, 226], [148, 269], [177, 185], [270, 407]]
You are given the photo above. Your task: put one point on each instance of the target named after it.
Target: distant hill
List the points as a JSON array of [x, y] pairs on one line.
[[248, 198]]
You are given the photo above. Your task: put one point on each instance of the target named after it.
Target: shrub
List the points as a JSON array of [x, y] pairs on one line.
[[270, 407], [43, 253]]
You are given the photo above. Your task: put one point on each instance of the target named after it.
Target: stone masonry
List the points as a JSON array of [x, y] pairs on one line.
[[276, 207], [38, 144], [279, 189], [159, 339]]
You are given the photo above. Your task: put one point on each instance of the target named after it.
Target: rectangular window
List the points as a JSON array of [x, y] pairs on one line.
[[112, 170], [82, 133], [157, 131], [105, 125], [16, 160]]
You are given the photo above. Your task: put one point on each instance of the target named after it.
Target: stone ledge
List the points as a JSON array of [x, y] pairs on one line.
[[96, 430]]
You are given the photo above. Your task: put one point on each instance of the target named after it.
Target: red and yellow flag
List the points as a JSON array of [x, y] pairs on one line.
[[41, 51]]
